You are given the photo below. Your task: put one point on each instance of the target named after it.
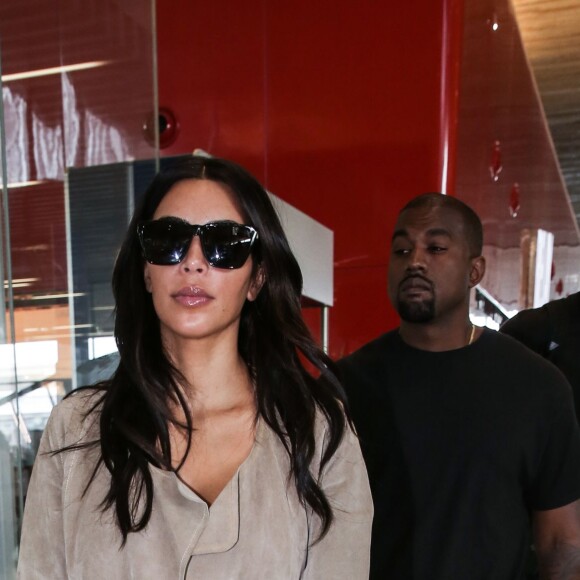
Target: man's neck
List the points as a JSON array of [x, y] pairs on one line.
[[435, 337]]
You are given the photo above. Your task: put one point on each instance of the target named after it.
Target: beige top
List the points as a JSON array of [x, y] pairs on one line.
[[256, 528]]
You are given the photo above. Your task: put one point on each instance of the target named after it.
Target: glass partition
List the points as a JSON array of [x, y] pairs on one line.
[[78, 87]]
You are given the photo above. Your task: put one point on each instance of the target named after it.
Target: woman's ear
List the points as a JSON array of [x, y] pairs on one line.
[[147, 278], [256, 284]]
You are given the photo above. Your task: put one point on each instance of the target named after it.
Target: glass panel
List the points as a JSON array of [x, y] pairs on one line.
[[11, 456], [77, 90]]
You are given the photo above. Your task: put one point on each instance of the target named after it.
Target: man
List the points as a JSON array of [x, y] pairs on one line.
[[553, 331], [467, 434]]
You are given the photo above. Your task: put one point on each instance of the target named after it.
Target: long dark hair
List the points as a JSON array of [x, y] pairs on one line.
[[135, 403]]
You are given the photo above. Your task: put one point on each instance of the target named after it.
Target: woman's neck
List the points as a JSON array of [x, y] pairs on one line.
[[217, 379]]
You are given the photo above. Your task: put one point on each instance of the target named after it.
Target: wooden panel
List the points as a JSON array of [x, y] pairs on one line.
[[551, 34]]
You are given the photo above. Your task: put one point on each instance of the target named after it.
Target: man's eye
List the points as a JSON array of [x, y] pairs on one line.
[[437, 249], [400, 251]]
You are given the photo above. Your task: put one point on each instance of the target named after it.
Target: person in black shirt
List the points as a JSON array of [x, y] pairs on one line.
[[553, 331], [470, 439]]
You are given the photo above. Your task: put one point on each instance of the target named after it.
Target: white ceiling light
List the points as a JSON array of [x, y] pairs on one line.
[[42, 72]]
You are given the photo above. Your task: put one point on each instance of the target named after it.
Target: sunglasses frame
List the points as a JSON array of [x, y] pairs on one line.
[[199, 230]]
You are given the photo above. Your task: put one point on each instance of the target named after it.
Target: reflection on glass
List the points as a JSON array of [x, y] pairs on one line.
[[78, 101]]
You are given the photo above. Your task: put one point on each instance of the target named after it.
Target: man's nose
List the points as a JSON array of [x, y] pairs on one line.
[[417, 259]]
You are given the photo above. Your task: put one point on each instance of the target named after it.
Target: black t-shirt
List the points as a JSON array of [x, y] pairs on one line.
[[553, 331], [460, 447]]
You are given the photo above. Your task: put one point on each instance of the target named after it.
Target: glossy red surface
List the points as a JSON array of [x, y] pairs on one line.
[[111, 99], [211, 62], [69, 119], [505, 157], [499, 102], [336, 108], [38, 239]]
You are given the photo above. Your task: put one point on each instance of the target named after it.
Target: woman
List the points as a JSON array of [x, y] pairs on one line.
[[211, 453]]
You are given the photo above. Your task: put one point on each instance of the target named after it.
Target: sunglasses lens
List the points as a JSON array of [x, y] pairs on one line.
[[227, 245], [164, 242]]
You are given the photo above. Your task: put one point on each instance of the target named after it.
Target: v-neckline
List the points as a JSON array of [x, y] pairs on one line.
[[189, 491]]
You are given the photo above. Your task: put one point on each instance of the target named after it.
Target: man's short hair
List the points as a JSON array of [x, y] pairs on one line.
[[471, 222]]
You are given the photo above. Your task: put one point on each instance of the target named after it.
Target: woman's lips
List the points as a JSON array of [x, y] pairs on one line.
[[192, 296]]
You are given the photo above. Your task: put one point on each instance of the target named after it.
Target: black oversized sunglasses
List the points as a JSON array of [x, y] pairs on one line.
[[225, 244]]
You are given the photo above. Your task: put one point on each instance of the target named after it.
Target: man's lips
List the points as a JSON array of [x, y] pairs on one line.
[[415, 283]]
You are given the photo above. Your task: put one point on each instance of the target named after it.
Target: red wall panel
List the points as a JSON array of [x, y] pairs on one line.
[[336, 107], [211, 75]]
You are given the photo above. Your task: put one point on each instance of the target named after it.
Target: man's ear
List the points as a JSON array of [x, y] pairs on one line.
[[477, 271], [147, 278], [256, 284]]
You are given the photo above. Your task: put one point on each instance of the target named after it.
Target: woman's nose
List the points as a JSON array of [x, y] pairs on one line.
[[194, 259]]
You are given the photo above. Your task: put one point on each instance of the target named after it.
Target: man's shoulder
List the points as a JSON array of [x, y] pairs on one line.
[[369, 365], [529, 326], [534, 326], [565, 315], [511, 349], [518, 364], [571, 301], [375, 350], [496, 339]]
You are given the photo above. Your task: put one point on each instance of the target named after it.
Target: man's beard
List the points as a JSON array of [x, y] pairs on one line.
[[416, 311]]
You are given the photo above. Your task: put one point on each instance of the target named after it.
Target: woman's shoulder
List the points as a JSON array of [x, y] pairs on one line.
[[323, 431], [76, 416], [328, 434], [81, 401]]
